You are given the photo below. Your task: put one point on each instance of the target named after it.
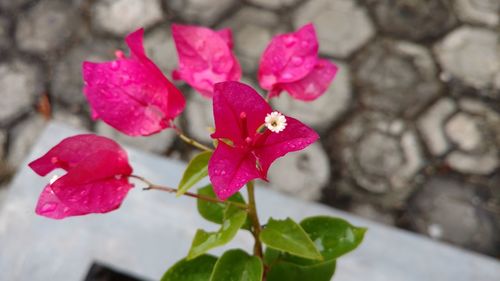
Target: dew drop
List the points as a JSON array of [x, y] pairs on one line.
[[304, 44], [297, 60], [115, 65], [118, 177], [287, 75], [54, 160], [290, 40], [48, 207]]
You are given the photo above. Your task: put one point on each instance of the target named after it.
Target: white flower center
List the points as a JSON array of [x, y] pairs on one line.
[[275, 122]]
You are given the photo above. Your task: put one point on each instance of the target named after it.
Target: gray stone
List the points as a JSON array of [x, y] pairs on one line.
[[396, 77], [463, 130], [414, 19], [67, 82], [252, 31], [160, 48], [157, 143], [431, 125], [12, 5], [121, 17], [205, 12], [169, 224], [479, 11], [450, 210], [4, 33], [23, 136], [380, 154], [475, 131], [3, 140], [342, 25], [324, 111], [372, 213], [274, 4], [47, 26], [20, 83], [471, 54], [70, 119], [199, 117], [302, 174]]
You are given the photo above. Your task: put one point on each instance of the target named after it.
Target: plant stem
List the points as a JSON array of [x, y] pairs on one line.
[[152, 186], [194, 143], [189, 140], [252, 213]]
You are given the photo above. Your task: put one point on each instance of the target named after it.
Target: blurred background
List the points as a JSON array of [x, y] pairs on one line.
[[410, 128]]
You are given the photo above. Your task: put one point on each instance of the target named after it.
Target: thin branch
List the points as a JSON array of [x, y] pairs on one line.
[[152, 186]]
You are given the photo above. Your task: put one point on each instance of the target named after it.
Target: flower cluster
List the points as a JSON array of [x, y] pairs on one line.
[[132, 95]]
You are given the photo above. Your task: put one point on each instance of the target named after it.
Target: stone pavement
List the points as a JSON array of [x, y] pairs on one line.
[[410, 128]]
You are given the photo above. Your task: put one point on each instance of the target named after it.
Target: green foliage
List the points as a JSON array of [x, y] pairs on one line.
[[196, 170], [198, 269], [211, 211], [286, 271], [333, 236], [203, 241], [288, 236], [237, 265]]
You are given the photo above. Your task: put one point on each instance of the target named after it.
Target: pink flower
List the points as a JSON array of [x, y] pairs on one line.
[[290, 62], [130, 93], [205, 57], [96, 180], [246, 148]]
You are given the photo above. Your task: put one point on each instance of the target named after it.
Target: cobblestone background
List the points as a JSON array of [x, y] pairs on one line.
[[410, 128]]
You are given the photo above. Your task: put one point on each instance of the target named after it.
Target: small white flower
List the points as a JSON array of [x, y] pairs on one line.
[[275, 122]]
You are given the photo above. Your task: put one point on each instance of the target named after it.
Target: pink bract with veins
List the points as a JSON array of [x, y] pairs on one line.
[[96, 180], [290, 62], [130, 93], [205, 57], [245, 151]]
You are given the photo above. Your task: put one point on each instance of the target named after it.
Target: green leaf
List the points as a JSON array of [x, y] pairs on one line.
[[196, 170], [282, 270], [288, 236], [333, 236], [198, 269], [237, 265], [214, 212], [203, 241]]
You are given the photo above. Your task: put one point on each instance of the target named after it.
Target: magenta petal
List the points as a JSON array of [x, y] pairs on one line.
[[238, 111], [96, 180], [50, 206], [205, 57], [131, 94], [96, 185], [230, 169], [227, 35], [288, 57], [70, 151], [295, 137], [314, 84]]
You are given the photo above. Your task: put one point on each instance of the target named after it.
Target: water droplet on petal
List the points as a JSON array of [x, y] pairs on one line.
[[304, 44], [115, 65], [54, 160], [290, 40], [287, 75], [297, 60], [118, 177], [48, 207]]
